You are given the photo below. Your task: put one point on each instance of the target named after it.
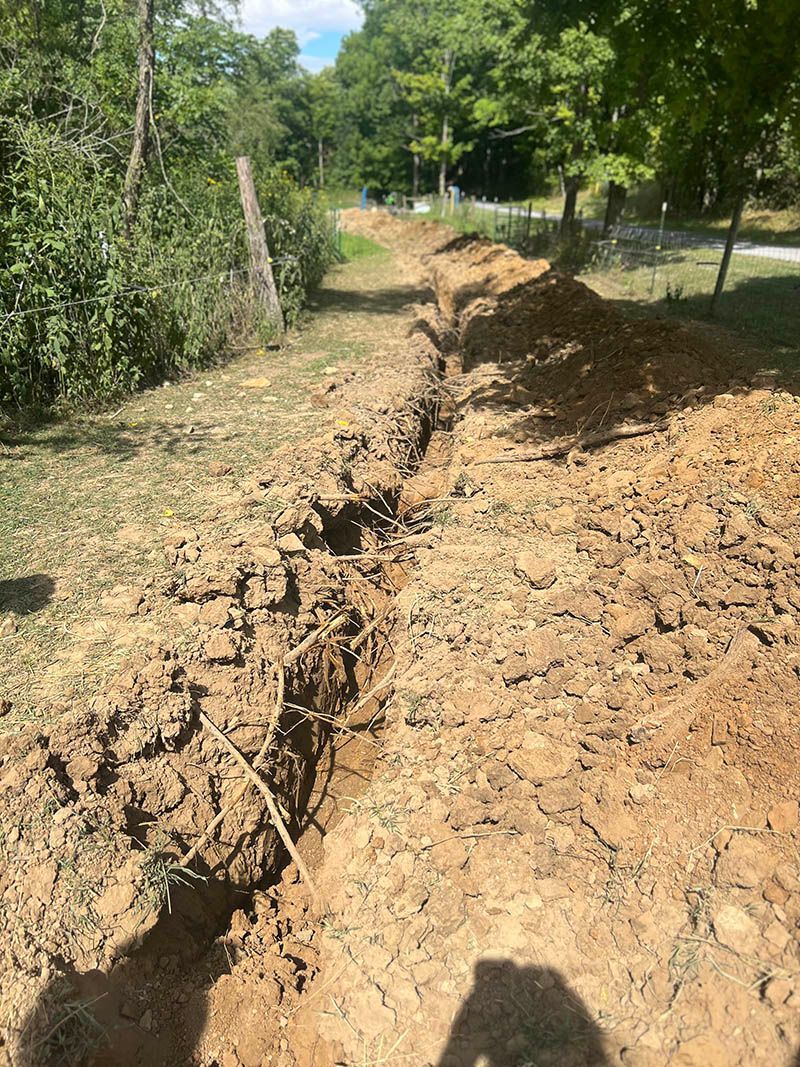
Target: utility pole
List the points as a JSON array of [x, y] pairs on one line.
[[141, 128], [260, 263]]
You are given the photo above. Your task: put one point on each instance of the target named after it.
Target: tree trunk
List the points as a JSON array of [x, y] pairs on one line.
[[571, 184], [614, 205], [443, 164], [726, 255], [141, 129], [321, 162]]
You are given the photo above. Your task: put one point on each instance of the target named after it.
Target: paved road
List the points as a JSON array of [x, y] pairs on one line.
[[674, 238]]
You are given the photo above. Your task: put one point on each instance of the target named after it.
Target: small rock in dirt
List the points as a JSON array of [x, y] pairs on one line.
[[146, 1021], [541, 758], [778, 991], [745, 862], [540, 572], [741, 595], [736, 930], [557, 796], [221, 647], [218, 469], [783, 817], [609, 820], [215, 612], [543, 649], [291, 544], [558, 520]]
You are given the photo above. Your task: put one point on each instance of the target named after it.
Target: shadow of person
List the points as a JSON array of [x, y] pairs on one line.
[[24, 596], [521, 1017]]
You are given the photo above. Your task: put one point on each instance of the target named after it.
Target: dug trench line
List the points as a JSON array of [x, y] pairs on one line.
[[149, 866], [578, 848]]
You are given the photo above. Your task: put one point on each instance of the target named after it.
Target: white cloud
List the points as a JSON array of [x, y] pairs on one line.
[[314, 63], [308, 18]]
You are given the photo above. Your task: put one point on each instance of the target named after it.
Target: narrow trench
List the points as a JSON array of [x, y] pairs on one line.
[[333, 765]]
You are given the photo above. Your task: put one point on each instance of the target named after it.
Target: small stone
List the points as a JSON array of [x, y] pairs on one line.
[[541, 758], [218, 469], [146, 1021], [783, 817], [558, 520], [291, 544], [778, 991], [221, 647], [736, 930], [540, 572]]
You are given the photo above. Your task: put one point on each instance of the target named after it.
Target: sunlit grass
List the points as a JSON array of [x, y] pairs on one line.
[[86, 500]]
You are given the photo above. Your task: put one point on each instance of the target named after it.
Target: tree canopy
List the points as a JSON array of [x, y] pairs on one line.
[[500, 97]]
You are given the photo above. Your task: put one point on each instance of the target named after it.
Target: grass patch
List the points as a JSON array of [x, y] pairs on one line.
[[86, 500], [354, 246], [760, 298]]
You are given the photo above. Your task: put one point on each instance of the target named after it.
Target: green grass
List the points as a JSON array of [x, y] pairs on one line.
[[760, 299], [86, 500], [354, 246]]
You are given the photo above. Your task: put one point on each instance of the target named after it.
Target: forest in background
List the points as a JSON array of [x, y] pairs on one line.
[[511, 98], [698, 100]]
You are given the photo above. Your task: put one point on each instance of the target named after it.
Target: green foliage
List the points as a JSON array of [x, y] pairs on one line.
[[90, 312], [502, 95]]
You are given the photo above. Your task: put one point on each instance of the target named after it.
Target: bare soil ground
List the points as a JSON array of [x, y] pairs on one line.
[[514, 644]]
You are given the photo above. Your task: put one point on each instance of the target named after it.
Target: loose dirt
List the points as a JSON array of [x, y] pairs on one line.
[[537, 743]]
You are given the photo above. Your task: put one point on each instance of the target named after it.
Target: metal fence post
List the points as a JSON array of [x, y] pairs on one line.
[[659, 246]]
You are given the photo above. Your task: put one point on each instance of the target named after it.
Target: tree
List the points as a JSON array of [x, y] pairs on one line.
[[141, 126]]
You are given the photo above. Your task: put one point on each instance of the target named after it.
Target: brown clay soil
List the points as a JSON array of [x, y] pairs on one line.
[[541, 759]]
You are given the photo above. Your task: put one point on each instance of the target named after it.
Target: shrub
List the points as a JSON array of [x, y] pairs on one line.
[[90, 314]]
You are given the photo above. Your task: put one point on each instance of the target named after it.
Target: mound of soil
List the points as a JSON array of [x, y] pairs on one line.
[[580, 845], [556, 551]]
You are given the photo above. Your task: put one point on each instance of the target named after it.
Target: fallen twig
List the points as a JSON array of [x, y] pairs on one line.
[[288, 658], [581, 441], [272, 807]]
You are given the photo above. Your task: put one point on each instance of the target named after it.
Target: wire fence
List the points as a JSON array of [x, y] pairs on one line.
[[653, 270]]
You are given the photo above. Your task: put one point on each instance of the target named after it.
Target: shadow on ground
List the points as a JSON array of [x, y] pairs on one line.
[[25, 596], [375, 301], [522, 1015]]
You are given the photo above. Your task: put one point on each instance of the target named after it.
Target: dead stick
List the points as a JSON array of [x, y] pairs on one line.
[[219, 818], [290, 657], [313, 637], [582, 441], [272, 807], [375, 689]]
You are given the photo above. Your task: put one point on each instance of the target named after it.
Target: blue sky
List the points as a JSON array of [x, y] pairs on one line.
[[319, 24]]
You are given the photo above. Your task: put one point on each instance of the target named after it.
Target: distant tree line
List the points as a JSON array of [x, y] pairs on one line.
[[500, 96]]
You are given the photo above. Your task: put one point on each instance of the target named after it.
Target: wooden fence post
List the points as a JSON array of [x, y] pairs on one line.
[[733, 229], [263, 280]]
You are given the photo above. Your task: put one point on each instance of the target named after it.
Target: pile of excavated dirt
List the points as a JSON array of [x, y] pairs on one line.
[[580, 843], [564, 578]]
